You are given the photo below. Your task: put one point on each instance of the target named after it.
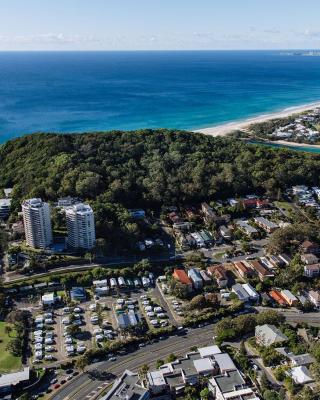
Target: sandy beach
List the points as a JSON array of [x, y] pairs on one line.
[[224, 129]]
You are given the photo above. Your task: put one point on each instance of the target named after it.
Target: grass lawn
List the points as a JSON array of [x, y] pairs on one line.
[[285, 205], [8, 362]]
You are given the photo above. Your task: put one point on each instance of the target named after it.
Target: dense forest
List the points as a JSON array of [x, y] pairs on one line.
[[147, 168]]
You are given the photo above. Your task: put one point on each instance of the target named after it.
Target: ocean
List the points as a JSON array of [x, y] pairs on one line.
[[95, 91]]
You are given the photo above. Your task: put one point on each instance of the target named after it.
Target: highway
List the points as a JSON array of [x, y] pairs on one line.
[[84, 385]]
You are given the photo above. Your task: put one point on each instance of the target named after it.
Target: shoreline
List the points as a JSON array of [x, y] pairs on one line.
[[229, 127]]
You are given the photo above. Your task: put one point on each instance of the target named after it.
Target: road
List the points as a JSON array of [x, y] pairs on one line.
[[83, 385]]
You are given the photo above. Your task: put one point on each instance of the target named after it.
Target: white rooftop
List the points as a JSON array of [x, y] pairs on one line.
[[14, 378], [225, 362], [301, 375], [209, 351], [203, 365]]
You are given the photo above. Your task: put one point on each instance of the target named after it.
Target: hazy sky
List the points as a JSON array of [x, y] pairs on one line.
[[158, 24]]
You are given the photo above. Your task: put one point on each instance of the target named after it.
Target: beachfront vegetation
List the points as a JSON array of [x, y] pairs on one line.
[[147, 168]]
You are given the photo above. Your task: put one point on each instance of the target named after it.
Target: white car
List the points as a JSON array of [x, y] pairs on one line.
[[161, 315], [38, 355], [38, 333], [38, 339], [154, 322], [94, 319], [38, 346], [49, 349], [164, 323], [146, 302], [40, 325], [68, 340], [49, 334], [48, 315], [148, 308], [77, 310], [81, 348], [48, 340], [158, 309], [66, 321], [99, 338], [150, 314], [92, 307], [48, 321], [97, 331], [144, 297], [120, 301]]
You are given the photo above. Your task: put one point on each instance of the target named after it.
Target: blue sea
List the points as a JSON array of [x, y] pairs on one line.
[[89, 91]]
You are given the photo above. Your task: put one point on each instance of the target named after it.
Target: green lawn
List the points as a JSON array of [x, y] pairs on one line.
[[8, 362]]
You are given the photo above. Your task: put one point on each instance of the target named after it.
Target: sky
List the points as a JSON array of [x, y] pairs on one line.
[[159, 24]]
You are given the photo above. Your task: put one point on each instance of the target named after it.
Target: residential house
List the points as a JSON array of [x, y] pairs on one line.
[[247, 229], [253, 294], [78, 294], [225, 232], [262, 272], [230, 385], [289, 297], [243, 269], [301, 375], [205, 277], [266, 225], [285, 258], [277, 297], [127, 387], [309, 259], [181, 276], [240, 292], [219, 273], [308, 247], [267, 335], [314, 297], [196, 278], [312, 270]]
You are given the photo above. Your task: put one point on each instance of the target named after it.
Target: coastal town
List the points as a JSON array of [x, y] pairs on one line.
[[243, 270]]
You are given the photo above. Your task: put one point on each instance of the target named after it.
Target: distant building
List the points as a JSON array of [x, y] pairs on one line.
[[219, 273], [301, 375], [78, 294], [289, 297], [205, 277], [48, 299], [225, 232], [309, 259], [262, 272], [240, 292], [277, 297], [253, 294], [181, 276], [8, 382], [196, 278], [266, 225], [80, 225], [314, 297], [267, 335], [230, 385], [310, 247], [243, 269], [127, 387], [5, 205], [37, 224], [311, 271], [247, 229]]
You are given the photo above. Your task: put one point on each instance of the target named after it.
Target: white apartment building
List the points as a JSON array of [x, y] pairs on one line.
[[80, 225], [37, 224]]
